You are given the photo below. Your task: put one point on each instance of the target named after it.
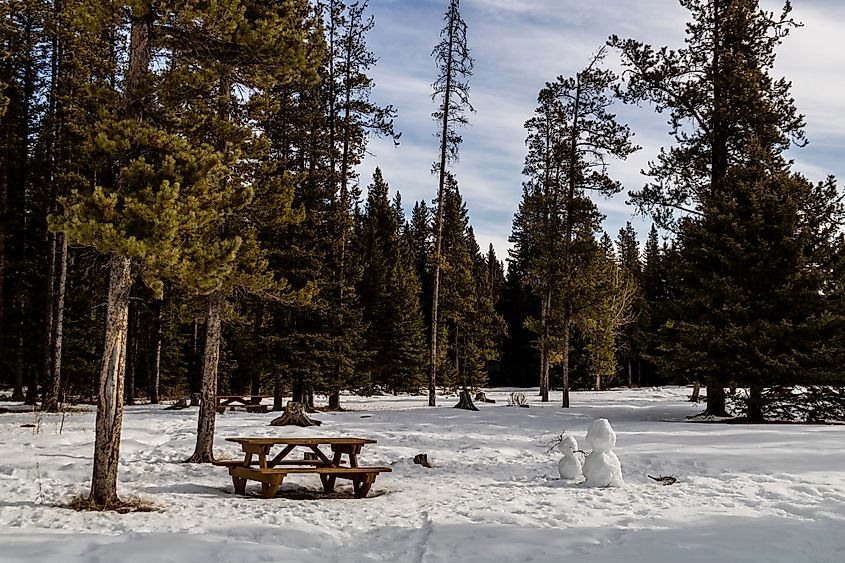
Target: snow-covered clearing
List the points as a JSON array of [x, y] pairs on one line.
[[770, 493]]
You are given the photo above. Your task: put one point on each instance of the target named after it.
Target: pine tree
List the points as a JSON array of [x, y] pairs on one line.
[[725, 111], [764, 256], [631, 265], [389, 290], [451, 87], [569, 140], [352, 117]]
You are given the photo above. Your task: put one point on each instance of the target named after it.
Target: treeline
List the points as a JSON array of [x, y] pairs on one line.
[[181, 178], [192, 163]]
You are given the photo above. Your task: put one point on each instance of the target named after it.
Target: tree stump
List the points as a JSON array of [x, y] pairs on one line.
[[466, 402], [481, 396], [696, 392], [422, 459], [295, 415], [178, 405]]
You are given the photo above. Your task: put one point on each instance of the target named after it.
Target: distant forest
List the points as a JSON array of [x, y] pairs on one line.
[[180, 213]]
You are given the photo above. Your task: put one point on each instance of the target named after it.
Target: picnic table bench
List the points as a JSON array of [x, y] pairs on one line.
[[257, 465], [250, 403]]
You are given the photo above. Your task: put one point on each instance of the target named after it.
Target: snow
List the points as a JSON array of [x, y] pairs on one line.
[[749, 493], [602, 467]]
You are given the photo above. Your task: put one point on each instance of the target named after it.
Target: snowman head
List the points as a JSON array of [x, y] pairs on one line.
[[567, 445], [601, 436]]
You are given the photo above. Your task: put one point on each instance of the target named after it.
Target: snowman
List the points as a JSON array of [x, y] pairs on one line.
[[569, 465], [602, 467]]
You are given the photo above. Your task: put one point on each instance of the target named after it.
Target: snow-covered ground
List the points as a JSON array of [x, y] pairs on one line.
[[769, 493]]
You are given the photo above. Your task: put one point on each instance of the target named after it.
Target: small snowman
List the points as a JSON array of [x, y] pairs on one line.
[[602, 467], [569, 465]]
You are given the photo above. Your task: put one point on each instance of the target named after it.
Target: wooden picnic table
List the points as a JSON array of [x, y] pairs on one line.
[[258, 465], [250, 403]]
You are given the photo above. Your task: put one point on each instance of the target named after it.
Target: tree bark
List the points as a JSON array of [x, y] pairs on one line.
[[755, 403], [155, 352], [696, 392], [545, 315], [110, 397], [131, 353], [203, 453], [565, 390], [716, 400], [278, 395], [53, 379]]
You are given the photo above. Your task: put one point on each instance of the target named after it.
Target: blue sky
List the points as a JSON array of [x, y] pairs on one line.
[[518, 45]]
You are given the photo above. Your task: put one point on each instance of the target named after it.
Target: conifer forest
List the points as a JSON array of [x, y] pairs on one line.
[[182, 213]]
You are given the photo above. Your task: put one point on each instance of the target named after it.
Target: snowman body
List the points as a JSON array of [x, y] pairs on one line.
[[569, 465], [602, 467]]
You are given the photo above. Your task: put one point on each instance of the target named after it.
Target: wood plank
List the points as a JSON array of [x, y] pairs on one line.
[[242, 471], [316, 441]]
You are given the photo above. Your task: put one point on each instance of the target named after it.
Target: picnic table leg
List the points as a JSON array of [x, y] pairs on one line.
[[240, 485], [362, 486], [269, 490], [328, 483]]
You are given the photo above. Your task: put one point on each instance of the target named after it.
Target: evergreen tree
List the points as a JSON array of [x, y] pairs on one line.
[[628, 251], [451, 88], [471, 328], [764, 256], [351, 118], [569, 141], [725, 111], [389, 291]]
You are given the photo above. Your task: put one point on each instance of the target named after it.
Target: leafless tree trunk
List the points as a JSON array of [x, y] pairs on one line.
[[112, 371], [203, 453]]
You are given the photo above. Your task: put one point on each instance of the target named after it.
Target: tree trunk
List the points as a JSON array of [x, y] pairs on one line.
[[630, 375], [565, 394], [112, 371], [155, 352], [334, 400], [545, 314], [298, 390], [203, 453], [195, 369], [696, 392], [131, 353], [598, 382], [17, 391], [716, 400], [48, 398], [755, 403], [53, 379], [278, 395]]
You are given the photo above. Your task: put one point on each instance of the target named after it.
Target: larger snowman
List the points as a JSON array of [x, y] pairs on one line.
[[602, 467]]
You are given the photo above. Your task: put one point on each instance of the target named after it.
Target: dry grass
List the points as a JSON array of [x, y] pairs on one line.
[[132, 504]]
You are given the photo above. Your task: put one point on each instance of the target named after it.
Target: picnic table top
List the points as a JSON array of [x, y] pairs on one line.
[[314, 441], [244, 396]]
